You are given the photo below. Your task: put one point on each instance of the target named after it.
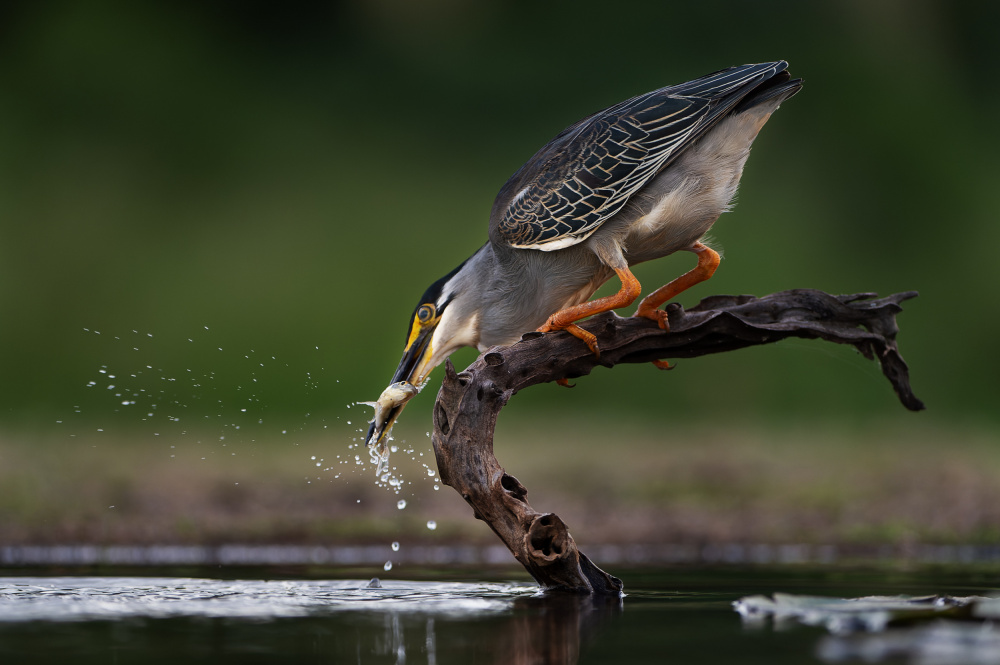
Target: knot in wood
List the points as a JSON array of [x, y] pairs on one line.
[[488, 389], [547, 538], [493, 359], [513, 487], [441, 423]]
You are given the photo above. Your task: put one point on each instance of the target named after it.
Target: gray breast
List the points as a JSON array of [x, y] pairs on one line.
[[527, 285]]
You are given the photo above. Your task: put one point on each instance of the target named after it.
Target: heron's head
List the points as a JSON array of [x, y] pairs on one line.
[[445, 319]]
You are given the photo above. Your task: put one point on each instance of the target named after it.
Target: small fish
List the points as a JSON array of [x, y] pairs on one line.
[[397, 394]]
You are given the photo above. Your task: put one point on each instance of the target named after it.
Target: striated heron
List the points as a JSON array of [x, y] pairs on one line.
[[637, 181]]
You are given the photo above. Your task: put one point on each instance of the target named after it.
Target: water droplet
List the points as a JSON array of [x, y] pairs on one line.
[[395, 546], [387, 566], [431, 524], [401, 504], [430, 472]]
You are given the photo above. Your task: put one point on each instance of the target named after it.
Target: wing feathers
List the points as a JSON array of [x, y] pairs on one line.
[[588, 172]]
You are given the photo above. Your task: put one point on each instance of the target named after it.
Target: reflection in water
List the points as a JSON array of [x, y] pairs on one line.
[[539, 628], [431, 643], [550, 628], [686, 615], [353, 621], [544, 628], [937, 643]]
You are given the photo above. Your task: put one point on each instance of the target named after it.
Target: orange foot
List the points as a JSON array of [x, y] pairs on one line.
[[565, 319], [708, 261]]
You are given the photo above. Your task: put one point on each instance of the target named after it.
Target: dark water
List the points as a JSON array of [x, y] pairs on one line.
[[677, 615]]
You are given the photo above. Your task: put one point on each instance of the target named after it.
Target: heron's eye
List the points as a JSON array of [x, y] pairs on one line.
[[425, 313]]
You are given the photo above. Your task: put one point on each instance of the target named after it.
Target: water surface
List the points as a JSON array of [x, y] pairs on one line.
[[678, 615]]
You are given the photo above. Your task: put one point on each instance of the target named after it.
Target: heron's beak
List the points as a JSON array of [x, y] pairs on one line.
[[413, 368]]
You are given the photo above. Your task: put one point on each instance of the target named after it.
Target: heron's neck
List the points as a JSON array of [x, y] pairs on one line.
[[508, 294]]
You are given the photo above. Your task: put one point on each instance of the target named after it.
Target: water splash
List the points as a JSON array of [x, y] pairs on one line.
[[54, 599]]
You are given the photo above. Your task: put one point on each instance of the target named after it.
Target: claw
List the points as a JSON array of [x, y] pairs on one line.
[[589, 339], [658, 315], [708, 261], [565, 383], [576, 331]]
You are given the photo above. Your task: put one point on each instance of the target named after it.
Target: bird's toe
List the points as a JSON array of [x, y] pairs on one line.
[[588, 338], [658, 315]]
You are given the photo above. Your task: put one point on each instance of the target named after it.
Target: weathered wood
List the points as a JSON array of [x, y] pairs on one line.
[[469, 402]]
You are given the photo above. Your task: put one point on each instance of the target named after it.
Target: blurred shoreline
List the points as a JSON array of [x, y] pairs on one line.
[[635, 554], [901, 485]]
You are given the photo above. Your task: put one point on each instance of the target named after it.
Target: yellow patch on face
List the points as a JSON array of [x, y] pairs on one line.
[[430, 319], [414, 331], [420, 372]]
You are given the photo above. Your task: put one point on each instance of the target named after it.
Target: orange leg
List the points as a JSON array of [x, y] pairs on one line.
[[564, 319], [708, 261]]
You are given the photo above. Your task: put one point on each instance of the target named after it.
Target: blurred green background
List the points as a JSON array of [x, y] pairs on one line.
[[235, 205]]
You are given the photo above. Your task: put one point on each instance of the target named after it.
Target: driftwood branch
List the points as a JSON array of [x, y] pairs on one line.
[[469, 402]]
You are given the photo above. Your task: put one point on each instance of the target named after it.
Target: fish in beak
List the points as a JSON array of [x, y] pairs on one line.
[[438, 326], [408, 379]]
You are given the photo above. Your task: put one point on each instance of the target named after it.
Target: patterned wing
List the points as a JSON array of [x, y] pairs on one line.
[[587, 173]]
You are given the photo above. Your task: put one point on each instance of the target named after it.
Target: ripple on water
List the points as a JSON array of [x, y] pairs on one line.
[[104, 598]]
